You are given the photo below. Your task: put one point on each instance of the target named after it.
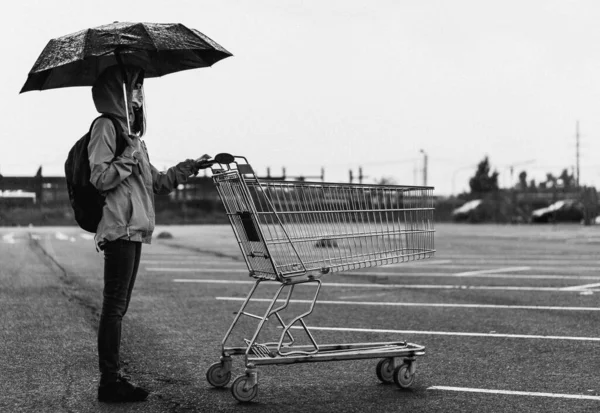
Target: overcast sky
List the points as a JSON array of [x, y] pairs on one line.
[[336, 84]]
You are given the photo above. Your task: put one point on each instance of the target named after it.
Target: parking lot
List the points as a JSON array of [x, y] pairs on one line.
[[508, 315]]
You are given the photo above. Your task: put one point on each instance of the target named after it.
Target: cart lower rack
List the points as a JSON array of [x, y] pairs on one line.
[[292, 234]]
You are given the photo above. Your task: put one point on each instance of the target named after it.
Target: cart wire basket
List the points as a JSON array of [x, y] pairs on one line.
[[294, 233]]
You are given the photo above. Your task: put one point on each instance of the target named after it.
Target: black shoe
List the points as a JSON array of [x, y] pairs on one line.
[[121, 391]]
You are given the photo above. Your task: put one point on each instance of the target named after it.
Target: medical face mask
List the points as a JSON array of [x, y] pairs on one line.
[[139, 110], [137, 98]]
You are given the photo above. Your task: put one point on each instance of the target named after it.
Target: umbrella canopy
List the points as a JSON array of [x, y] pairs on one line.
[[78, 59]]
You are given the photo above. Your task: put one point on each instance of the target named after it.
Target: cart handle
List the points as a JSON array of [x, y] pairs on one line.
[[221, 158], [224, 158]]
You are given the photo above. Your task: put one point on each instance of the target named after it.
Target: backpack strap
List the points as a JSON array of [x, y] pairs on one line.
[[121, 143]]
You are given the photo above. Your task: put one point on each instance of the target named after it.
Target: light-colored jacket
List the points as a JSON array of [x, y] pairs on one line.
[[129, 183]]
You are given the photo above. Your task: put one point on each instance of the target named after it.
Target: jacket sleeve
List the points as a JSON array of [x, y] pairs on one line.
[[165, 182], [107, 172]]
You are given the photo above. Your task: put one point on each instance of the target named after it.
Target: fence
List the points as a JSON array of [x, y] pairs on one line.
[[41, 200]]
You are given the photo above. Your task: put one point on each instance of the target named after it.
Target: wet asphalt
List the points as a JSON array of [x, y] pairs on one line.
[[508, 315]]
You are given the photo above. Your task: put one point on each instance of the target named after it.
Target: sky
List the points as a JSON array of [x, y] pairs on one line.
[[336, 85]]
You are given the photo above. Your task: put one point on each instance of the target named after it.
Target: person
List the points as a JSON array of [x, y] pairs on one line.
[[129, 182]]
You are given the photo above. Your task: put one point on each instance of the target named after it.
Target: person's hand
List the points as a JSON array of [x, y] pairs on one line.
[[195, 165], [203, 162], [132, 141]]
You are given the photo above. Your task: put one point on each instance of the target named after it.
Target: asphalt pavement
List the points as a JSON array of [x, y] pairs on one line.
[[508, 315]]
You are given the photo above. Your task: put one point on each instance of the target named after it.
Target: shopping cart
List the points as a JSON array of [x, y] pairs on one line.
[[293, 233]]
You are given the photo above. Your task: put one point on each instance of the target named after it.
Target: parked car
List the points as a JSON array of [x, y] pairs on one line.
[[567, 210], [467, 210]]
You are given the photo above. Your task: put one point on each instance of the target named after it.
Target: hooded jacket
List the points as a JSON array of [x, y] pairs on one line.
[[128, 181]]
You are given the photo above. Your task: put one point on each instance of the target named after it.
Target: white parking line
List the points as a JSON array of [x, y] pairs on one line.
[[199, 262], [190, 259], [479, 275], [198, 270], [515, 393], [399, 286], [398, 304], [515, 256], [241, 269], [9, 238], [198, 256], [492, 271], [513, 261], [572, 267], [449, 333], [581, 287], [425, 262], [63, 237]]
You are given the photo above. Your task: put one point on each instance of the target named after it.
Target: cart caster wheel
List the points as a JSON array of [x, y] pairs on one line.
[[217, 376], [402, 376], [385, 370], [240, 393]]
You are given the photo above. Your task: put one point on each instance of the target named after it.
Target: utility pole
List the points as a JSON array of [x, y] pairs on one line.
[[424, 167], [577, 154]]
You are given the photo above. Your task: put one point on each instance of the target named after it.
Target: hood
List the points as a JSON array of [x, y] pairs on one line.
[[107, 92]]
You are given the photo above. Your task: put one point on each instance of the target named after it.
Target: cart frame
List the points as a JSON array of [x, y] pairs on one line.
[[291, 234]]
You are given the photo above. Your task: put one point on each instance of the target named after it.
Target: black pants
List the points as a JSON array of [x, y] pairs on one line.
[[121, 262]]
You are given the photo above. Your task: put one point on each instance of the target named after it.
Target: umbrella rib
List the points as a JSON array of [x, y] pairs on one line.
[[149, 35], [207, 42], [198, 37], [158, 71], [85, 42], [85, 47]]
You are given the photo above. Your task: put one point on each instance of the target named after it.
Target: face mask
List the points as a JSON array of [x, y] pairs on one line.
[[139, 116], [137, 99]]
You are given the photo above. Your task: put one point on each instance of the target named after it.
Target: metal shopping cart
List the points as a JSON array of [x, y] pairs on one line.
[[293, 233]]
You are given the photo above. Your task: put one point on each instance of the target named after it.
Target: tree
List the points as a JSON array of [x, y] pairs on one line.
[[551, 181], [568, 180], [484, 180], [533, 185], [565, 181], [386, 180], [523, 181]]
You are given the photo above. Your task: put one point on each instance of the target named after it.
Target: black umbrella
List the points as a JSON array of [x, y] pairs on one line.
[[78, 58]]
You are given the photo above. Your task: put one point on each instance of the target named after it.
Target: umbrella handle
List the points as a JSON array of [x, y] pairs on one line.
[[124, 74], [126, 108]]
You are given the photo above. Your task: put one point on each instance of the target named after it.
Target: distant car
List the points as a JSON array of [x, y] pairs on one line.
[[466, 211], [567, 210]]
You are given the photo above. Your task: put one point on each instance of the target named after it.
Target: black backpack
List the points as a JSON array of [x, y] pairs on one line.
[[86, 200]]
